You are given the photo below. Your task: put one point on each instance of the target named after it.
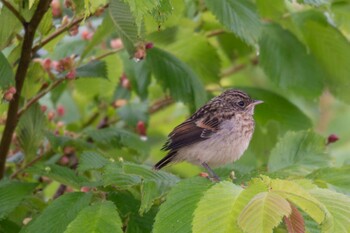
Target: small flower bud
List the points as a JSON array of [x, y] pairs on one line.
[[50, 115], [60, 110], [56, 8], [141, 128], [149, 45], [116, 43], [71, 74], [332, 139]]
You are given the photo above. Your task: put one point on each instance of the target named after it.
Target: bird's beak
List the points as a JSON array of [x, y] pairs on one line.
[[256, 102]]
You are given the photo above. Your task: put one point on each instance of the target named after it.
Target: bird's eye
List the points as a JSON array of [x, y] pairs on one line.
[[241, 103]]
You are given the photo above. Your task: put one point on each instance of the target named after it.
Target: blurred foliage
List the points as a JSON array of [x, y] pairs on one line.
[[108, 81]]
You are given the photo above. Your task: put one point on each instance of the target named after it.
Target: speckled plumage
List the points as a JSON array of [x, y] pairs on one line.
[[216, 134]]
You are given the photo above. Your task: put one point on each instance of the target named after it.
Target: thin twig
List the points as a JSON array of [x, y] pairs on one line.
[[38, 96], [15, 174], [15, 12], [160, 104], [61, 30], [107, 54], [215, 33], [236, 68]]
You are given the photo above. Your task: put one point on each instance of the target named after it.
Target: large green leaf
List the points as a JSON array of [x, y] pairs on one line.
[[56, 217], [330, 48], [11, 194], [264, 212], [288, 64], [100, 217], [279, 109], [90, 160], [173, 74], [299, 152], [176, 214], [301, 198], [59, 173], [140, 8], [238, 16], [94, 69], [219, 208], [337, 178], [30, 131], [201, 56], [116, 136], [6, 74], [125, 24], [338, 206]]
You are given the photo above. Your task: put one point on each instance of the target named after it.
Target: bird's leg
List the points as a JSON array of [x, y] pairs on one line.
[[212, 174]]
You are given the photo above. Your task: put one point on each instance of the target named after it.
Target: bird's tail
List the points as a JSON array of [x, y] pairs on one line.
[[166, 160]]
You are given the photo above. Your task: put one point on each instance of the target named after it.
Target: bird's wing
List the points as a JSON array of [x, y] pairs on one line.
[[192, 131]]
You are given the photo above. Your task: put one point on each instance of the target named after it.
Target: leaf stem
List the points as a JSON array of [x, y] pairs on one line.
[[24, 61], [14, 11]]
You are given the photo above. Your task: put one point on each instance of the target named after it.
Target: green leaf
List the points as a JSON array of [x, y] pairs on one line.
[[337, 178], [271, 9], [301, 198], [140, 8], [288, 64], [176, 213], [338, 206], [90, 160], [11, 195], [45, 24], [132, 113], [330, 48], [56, 217], [59, 173], [30, 131], [277, 108], [219, 208], [7, 226], [113, 174], [139, 74], [100, 217], [115, 136], [8, 29], [94, 69], [6, 74], [201, 56], [239, 16], [264, 212], [125, 25], [314, 2], [173, 74], [302, 151]]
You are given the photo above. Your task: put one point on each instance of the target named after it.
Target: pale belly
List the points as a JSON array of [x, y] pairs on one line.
[[224, 147]]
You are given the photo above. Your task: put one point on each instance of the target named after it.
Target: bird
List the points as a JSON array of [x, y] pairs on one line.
[[216, 134]]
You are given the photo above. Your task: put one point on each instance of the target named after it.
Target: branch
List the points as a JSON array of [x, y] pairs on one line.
[[15, 174], [24, 61], [15, 12], [107, 54], [38, 96]]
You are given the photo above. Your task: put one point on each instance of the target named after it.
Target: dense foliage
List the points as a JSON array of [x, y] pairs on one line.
[[92, 88]]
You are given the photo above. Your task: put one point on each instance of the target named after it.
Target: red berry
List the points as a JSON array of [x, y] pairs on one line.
[[149, 45], [60, 110], [141, 128], [332, 138]]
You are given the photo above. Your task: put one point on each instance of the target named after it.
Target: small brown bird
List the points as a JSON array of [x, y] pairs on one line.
[[218, 133]]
